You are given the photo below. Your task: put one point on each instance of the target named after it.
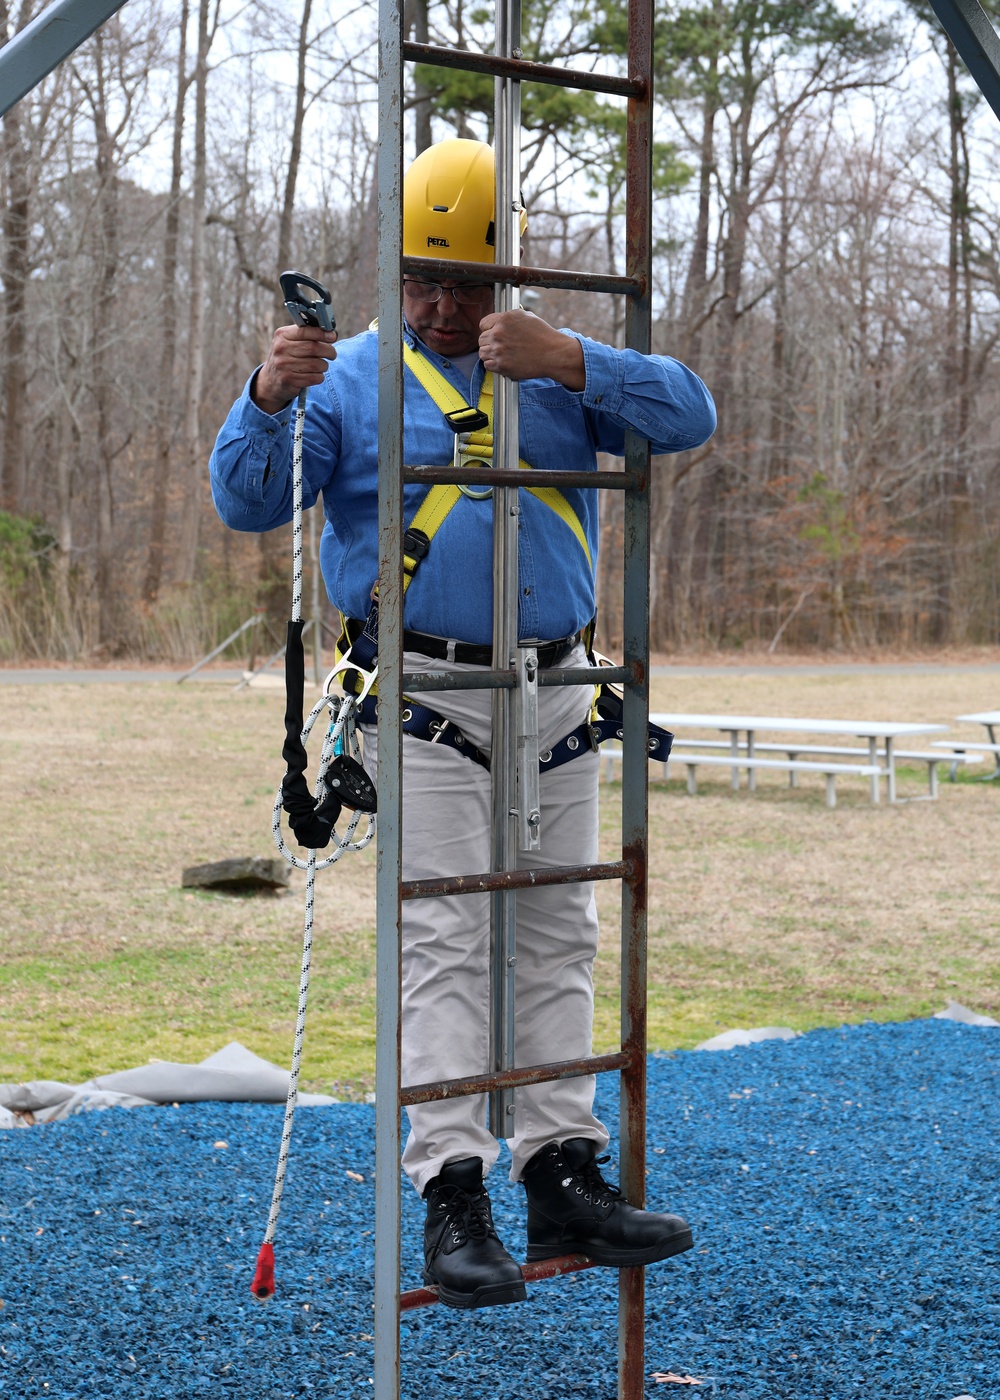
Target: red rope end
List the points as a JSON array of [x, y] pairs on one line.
[[262, 1287]]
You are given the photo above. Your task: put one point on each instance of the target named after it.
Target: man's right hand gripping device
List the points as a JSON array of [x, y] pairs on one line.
[[346, 782]]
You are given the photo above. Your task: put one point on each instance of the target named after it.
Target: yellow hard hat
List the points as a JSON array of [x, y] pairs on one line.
[[448, 203]]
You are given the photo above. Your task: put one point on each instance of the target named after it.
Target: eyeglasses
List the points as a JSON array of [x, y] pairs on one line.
[[468, 294]]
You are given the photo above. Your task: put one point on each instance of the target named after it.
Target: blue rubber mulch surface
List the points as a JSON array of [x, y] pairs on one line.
[[843, 1190]]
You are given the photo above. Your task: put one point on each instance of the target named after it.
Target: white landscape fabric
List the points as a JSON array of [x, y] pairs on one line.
[[233, 1074]]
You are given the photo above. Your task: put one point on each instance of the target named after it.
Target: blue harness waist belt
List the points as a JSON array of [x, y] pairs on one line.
[[423, 723]]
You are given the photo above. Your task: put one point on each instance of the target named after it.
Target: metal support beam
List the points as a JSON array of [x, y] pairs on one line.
[[968, 28], [43, 44]]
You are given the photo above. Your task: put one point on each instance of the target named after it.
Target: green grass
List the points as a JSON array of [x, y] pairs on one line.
[[764, 909], [84, 1017]]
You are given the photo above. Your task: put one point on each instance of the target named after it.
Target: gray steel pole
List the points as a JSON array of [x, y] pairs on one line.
[[503, 907], [43, 44], [390, 656]]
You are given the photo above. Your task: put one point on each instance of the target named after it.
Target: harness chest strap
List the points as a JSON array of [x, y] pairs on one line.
[[479, 445]]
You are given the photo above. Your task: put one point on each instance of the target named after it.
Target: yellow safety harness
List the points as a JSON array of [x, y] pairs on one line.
[[475, 445], [475, 429]]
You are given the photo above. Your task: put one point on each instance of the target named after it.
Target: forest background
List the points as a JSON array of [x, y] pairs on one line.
[[827, 257]]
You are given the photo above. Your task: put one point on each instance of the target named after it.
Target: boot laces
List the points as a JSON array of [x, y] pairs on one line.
[[596, 1190], [468, 1216]]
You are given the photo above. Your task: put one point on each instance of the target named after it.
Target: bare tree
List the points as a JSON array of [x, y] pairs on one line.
[[112, 85], [166, 415], [194, 469]]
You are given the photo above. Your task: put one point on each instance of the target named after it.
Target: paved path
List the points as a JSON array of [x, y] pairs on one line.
[[68, 676], [838, 668]]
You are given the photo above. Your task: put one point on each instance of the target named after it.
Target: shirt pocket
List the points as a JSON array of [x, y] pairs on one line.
[[555, 434]]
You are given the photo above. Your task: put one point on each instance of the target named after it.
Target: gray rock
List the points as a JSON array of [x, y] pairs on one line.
[[244, 873]]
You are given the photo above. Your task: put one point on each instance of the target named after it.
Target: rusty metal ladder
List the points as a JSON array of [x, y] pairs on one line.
[[512, 672]]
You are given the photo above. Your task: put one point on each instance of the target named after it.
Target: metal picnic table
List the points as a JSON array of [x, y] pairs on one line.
[[873, 731]]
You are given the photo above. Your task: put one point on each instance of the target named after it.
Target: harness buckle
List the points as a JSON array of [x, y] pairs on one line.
[[415, 546], [467, 420]]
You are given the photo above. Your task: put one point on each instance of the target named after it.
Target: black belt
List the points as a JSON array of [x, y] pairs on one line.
[[467, 653]]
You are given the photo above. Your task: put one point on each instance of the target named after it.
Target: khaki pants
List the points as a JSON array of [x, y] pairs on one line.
[[445, 992]]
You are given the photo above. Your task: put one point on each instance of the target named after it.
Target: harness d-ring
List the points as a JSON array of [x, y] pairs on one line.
[[346, 664]]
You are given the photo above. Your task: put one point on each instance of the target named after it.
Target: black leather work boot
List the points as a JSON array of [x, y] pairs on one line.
[[573, 1210], [463, 1257]]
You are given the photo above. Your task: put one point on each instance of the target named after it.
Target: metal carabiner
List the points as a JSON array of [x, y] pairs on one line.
[[300, 308]]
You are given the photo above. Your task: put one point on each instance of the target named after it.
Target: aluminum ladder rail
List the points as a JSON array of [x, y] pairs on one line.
[[508, 70]]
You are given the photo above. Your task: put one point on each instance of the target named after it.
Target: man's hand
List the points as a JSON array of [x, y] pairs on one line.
[[296, 361], [523, 346]]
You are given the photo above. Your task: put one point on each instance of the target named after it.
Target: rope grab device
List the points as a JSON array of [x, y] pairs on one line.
[[341, 781]]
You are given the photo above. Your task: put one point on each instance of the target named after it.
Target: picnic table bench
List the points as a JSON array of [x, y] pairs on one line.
[[690, 753], [794, 750], [932, 760], [990, 719], [830, 770], [880, 750]]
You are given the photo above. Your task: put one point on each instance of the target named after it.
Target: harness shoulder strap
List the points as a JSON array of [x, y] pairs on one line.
[[431, 515]]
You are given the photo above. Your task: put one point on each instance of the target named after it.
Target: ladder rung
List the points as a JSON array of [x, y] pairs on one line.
[[516, 476], [523, 69], [573, 675], [436, 268], [514, 880], [532, 1273], [506, 680], [440, 1089], [460, 680]]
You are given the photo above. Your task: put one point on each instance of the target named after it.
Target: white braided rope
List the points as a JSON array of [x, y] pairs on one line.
[[293, 1082], [340, 735]]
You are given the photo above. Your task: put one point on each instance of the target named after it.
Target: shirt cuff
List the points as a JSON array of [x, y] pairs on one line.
[[605, 370], [253, 417]]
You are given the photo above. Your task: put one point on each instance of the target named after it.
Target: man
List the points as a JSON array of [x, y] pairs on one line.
[[577, 398]]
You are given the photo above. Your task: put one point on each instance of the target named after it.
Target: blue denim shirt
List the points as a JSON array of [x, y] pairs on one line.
[[452, 592]]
